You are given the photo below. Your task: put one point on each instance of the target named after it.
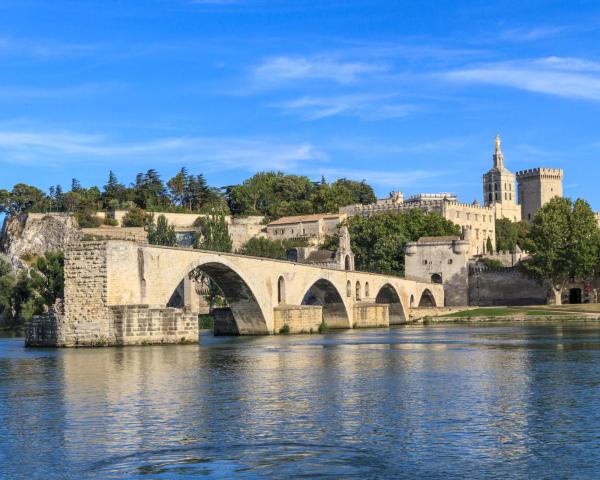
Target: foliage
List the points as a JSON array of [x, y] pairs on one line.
[[285, 329], [162, 233], [205, 322], [378, 241], [489, 246], [23, 198], [214, 234], [491, 262], [31, 292], [564, 243], [136, 217], [266, 248], [275, 194], [509, 235], [323, 327]]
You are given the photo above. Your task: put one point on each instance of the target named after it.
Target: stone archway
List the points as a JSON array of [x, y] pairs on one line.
[[388, 294], [427, 299], [243, 313], [324, 293]]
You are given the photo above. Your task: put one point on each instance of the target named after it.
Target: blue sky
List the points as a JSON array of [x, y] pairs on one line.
[[405, 94]]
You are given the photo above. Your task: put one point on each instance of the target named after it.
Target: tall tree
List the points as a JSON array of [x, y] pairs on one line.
[[564, 244], [214, 234], [162, 233]]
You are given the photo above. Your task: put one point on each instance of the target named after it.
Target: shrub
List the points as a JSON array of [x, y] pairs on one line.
[[491, 263], [323, 328], [285, 329], [136, 217]]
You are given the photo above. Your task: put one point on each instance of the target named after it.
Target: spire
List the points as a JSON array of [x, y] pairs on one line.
[[498, 156]]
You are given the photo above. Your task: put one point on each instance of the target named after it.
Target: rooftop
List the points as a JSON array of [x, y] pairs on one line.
[[306, 218]]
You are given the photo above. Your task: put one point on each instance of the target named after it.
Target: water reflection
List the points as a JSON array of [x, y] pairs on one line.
[[407, 402]]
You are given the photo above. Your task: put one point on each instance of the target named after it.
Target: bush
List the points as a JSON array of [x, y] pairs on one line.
[[323, 328], [285, 329], [491, 263], [136, 217], [205, 322], [87, 219]]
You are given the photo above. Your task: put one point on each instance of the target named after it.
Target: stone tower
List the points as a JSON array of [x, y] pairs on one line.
[[499, 188], [344, 255], [537, 187]]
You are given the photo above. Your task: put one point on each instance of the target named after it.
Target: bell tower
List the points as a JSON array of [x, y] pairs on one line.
[[499, 188]]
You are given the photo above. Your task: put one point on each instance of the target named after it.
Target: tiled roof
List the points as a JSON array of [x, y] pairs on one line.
[[305, 218]]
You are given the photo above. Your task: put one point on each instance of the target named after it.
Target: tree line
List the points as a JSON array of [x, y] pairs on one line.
[[271, 194]]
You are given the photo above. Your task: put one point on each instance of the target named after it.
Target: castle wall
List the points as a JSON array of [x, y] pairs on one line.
[[506, 286]]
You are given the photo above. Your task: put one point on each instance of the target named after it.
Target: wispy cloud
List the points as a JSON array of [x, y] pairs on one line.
[[365, 106], [559, 76], [215, 154], [530, 34], [284, 68]]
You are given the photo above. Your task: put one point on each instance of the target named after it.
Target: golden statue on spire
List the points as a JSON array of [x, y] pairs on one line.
[[497, 143]]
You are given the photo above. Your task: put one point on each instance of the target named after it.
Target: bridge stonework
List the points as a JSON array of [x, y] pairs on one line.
[[117, 293]]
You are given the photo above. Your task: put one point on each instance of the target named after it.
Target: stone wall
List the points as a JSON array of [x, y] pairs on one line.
[[299, 318], [506, 286], [369, 315], [141, 324], [132, 234]]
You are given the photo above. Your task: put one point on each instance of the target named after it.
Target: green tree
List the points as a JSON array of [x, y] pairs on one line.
[[162, 233], [378, 241], [22, 199], [564, 244], [177, 187], [509, 235], [214, 234], [136, 217], [489, 246], [7, 282], [266, 248]]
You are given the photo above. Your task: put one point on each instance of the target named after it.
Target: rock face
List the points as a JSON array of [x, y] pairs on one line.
[[36, 233]]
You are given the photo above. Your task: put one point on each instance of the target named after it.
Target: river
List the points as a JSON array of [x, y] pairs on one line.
[[451, 401]]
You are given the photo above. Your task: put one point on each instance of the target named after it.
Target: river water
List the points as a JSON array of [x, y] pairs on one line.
[[455, 401]]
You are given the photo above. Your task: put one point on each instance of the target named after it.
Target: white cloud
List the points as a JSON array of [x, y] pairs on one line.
[[214, 154], [366, 106], [559, 76], [283, 68]]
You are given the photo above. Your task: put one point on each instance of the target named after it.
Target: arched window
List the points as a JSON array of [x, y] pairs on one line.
[[348, 289], [357, 291], [366, 289], [436, 278], [412, 301], [347, 263], [281, 290]]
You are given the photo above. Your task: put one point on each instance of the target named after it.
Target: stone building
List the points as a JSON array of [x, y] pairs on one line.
[[499, 188], [537, 186], [441, 260], [312, 227], [341, 259]]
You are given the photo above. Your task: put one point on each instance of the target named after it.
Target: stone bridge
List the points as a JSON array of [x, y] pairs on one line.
[[118, 292]]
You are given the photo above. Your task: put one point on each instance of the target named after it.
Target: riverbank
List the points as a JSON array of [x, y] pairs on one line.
[[520, 314]]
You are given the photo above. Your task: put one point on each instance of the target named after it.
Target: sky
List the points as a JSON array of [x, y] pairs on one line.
[[407, 95]]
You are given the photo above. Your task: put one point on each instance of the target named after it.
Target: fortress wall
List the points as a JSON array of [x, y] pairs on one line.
[[491, 287]]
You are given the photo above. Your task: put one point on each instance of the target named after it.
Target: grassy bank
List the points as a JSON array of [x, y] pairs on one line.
[[536, 312]]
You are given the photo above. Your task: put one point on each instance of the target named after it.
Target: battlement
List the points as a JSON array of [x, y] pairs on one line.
[[540, 172]]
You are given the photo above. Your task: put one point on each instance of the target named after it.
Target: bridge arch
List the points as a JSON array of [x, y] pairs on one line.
[[427, 299], [389, 295], [245, 314], [324, 293]]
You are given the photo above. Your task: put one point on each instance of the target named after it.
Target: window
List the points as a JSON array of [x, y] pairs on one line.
[[367, 289], [457, 214], [449, 261], [348, 289], [357, 291], [424, 262], [281, 290]]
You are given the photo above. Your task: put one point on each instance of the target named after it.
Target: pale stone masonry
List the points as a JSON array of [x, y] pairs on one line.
[[499, 188], [118, 293], [316, 226], [537, 187]]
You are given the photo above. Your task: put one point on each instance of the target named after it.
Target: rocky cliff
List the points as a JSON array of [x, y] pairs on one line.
[[36, 233]]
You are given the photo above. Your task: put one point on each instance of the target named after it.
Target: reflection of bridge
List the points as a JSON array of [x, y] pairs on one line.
[[117, 292]]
